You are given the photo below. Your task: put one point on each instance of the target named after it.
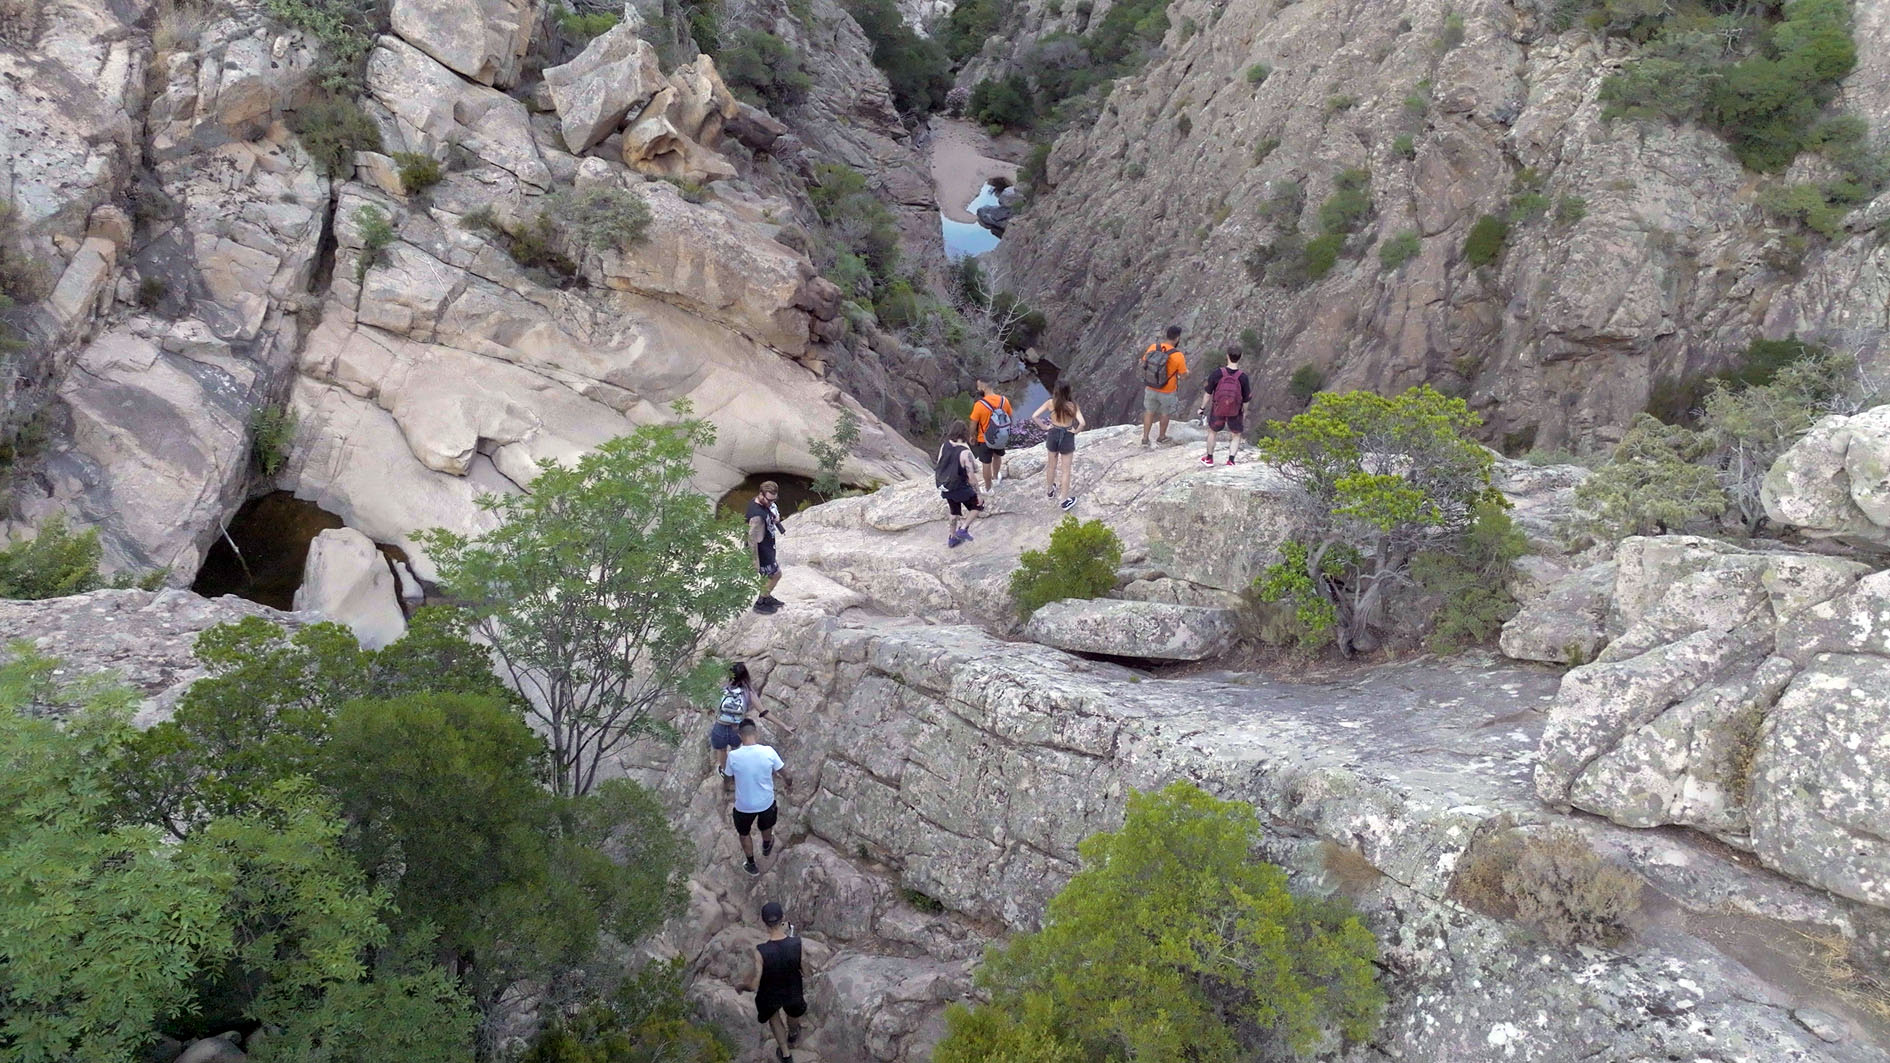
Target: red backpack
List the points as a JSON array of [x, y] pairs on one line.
[[1227, 395]]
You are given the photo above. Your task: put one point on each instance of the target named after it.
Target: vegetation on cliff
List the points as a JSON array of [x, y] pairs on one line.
[[1079, 562], [1174, 942]]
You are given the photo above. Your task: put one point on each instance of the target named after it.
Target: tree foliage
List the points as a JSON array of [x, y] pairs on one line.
[[52, 564], [1655, 481], [597, 589], [917, 69], [1383, 478], [764, 70], [1174, 943], [1080, 562], [1472, 580]]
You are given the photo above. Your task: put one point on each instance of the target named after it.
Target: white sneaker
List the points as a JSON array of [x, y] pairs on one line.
[[1069, 503], [998, 480]]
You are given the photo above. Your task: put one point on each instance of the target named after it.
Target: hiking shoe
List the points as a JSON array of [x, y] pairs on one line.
[[764, 606], [767, 846], [1000, 478], [1207, 459], [1230, 459], [783, 1056], [964, 536], [749, 866], [953, 539], [773, 601], [1164, 441], [1146, 444], [1068, 503]]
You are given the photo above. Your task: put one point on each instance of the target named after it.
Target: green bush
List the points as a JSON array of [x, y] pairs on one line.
[[1450, 35], [1485, 242], [764, 70], [917, 68], [417, 172], [1306, 381], [1035, 173], [1006, 102], [377, 235], [1080, 562], [1401, 248], [580, 27], [331, 129], [1753, 415], [1472, 579], [1341, 102], [646, 1021], [970, 24], [344, 30], [1258, 73], [600, 218], [1653, 482], [1553, 881], [53, 564], [271, 432], [1264, 147], [1175, 942], [1808, 204], [1526, 207], [1344, 211], [1321, 254], [532, 244], [1404, 146], [1570, 209]]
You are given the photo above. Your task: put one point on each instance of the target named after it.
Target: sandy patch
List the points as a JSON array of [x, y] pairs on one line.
[[961, 163]]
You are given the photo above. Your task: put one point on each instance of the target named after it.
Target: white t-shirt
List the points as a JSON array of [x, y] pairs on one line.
[[753, 768]]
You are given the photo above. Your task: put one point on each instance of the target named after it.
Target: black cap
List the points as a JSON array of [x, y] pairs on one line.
[[771, 914]]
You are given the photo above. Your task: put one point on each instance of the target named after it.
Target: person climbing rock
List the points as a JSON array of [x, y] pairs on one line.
[[991, 433], [1161, 367], [779, 1000], [753, 767], [952, 471], [1224, 404], [764, 522], [738, 699], [1064, 420]]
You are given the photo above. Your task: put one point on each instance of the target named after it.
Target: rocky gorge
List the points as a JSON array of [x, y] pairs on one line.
[[1706, 717]]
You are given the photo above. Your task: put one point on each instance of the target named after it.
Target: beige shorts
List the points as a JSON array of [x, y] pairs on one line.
[[1160, 403]]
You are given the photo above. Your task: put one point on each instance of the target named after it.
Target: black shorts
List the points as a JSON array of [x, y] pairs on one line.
[[962, 499], [984, 454], [744, 821], [765, 1008], [765, 562], [1236, 425], [1060, 441]]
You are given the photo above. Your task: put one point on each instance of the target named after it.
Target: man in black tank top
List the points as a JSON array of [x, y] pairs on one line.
[[777, 982]]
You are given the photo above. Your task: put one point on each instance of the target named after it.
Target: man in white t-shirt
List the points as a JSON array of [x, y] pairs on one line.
[[754, 767]]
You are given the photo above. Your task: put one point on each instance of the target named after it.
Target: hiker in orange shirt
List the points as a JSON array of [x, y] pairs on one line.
[[990, 433], [1162, 367]]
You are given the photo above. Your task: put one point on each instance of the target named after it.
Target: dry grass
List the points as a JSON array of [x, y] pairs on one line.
[[1552, 881], [180, 25], [1830, 959]]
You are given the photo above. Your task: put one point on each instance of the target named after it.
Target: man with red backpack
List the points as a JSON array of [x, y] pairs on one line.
[[990, 433], [1224, 404], [1161, 368]]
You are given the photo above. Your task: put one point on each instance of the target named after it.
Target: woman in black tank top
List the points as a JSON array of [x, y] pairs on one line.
[[779, 999]]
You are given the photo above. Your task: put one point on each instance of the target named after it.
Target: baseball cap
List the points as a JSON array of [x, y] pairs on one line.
[[771, 913]]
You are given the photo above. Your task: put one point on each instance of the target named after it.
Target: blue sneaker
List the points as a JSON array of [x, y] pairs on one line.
[[953, 539], [965, 536]]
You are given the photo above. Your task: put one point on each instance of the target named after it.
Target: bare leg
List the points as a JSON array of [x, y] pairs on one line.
[[1210, 445], [1164, 434], [1147, 419], [721, 760], [778, 1023], [748, 845], [1050, 474], [773, 581], [1069, 469]]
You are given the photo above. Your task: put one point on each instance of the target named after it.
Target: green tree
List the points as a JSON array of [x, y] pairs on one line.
[[1174, 943], [597, 589], [645, 1021], [1080, 562], [764, 70], [1383, 478], [52, 564], [1006, 102], [263, 711], [917, 69], [1750, 427], [833, 452], [1472, 580], [1653, 482]]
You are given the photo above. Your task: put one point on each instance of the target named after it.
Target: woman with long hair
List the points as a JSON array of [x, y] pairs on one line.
[[736, 704], [1064, 420]]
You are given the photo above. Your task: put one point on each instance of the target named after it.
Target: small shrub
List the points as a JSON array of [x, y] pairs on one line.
[[151, 292], [1485, 242], [331, 129], [1005, 102], [1450, 35], [1080, 562], [924, 902], [1035, 173], [1258, 73], [1314, 618], [600, 218], [689, 191], [764, 70], [1306, 381], [1527, 207], [1322, 253], [1652, 483], [272, 432], [345, 30], [53, 564], [1250, 344], [1552, 881], [1344, 211], [581, 27], [1184, 124], [1404, 146], [377, 234], [1401, 248], [1472, 580], [1264, 147], [1335, 104], [417, 172], [1570, 209]]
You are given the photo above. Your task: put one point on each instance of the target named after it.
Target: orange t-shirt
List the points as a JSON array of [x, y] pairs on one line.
[[1177, 367], [981, 414]]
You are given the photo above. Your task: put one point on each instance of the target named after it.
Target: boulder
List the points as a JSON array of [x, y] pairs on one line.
[[1835, 481], [755, 128], [616, 72], [654, 145], [434, 109], [221, 1049], [1146, 630], [1568, 623], [144, 637], [1194, 513], [703, 105], [481, 39], [347, 579]]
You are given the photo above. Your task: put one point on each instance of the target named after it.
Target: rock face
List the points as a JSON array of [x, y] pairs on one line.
[[1148, 630], [144, 638], [1670, 267], [1740, 693], [1835, 482], [482, 39], [348, 580]]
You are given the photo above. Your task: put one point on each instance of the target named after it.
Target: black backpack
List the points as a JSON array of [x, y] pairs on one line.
[[949, 471], [1155, 366]]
